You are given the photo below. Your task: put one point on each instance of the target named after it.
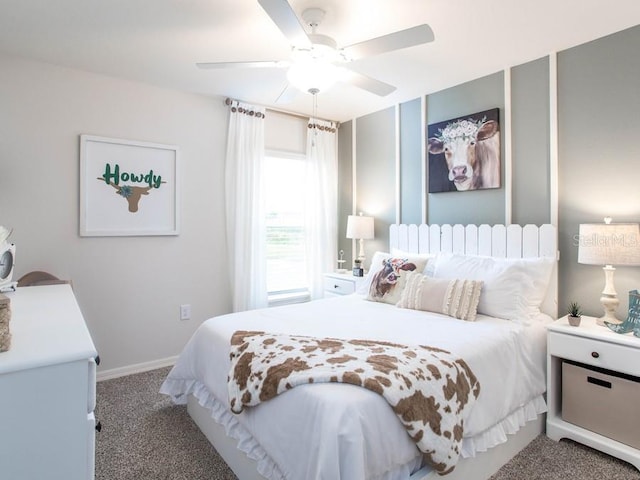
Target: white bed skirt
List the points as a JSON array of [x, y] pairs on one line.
[[482, 455]]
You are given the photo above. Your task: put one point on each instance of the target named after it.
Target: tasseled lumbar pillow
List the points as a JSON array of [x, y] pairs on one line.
[[455, 298]]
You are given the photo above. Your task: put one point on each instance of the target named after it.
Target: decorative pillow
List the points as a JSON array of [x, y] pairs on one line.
[[387, 274], [455, 298], [513, 288], [396, 252]]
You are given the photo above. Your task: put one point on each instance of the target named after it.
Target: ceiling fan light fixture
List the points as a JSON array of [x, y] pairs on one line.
[[317, 59], [316, 76]]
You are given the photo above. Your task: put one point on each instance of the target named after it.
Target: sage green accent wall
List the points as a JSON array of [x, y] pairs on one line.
[[478, 206], [411, 174], [376, 175], [531, 195], [599, 154], [345, 189]]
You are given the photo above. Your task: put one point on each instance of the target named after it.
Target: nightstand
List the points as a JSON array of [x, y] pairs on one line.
[[599, 370], [340, 284]]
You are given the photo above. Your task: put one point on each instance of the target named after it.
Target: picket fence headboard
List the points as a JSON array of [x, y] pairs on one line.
[[500, 241]]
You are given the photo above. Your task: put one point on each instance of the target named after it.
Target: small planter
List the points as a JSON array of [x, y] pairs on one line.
[[574, 314], [574, 321]]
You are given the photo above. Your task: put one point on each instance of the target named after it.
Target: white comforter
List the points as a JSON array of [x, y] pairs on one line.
[[337, 431]]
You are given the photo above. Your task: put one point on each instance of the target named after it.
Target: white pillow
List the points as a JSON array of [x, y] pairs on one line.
[[386, 277], [513, 288]]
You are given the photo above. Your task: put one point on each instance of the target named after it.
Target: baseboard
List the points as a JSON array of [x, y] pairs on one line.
[[137, 368]]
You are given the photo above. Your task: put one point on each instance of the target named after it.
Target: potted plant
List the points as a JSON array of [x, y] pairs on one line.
[[575, 314]]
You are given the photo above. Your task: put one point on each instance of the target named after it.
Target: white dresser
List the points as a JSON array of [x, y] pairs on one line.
[[47, 389]]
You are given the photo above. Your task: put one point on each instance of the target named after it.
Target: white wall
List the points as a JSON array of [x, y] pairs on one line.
[[129, 288]]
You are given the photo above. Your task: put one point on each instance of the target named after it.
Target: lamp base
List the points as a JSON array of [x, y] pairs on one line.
[[610, 303], [361, 256]]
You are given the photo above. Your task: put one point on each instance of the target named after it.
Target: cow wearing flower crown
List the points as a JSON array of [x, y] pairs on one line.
[[472, 151]]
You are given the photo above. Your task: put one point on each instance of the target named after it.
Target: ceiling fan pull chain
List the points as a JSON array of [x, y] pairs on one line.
[[314, 92]]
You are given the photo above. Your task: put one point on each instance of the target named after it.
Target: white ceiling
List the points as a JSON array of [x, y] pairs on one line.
[[159, 42]]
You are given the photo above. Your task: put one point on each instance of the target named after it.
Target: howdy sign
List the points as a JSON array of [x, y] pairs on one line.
[[132, 193], [144, 174]]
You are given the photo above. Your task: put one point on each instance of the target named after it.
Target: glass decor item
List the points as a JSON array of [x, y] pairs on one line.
[[358, 271], [341, 262]]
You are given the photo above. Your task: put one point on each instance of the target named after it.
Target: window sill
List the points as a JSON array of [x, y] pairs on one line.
[[288, 298]]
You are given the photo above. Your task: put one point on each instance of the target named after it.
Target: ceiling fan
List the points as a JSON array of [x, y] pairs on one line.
[[316, 61]]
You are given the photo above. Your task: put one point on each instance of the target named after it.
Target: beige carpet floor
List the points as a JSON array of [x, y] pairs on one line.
[[145, 437]]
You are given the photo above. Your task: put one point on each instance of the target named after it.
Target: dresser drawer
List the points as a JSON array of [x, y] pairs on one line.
[[339, 286], [599, 354], [91, 446]]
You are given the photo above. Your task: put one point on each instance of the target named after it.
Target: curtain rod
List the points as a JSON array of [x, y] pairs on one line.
[[228, 102]]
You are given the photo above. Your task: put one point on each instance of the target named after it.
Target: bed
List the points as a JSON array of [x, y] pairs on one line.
[[342, 431]]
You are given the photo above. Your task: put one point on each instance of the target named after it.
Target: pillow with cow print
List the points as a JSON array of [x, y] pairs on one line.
[[387, 275]]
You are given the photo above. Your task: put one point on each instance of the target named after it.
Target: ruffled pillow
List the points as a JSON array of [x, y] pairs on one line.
[[455, 298]]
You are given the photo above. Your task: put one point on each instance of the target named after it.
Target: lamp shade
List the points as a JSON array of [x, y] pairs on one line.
[[359, 226], [609, 244]]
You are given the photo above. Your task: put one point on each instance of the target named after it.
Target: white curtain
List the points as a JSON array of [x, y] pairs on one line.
[[321, 203], [246, 231]]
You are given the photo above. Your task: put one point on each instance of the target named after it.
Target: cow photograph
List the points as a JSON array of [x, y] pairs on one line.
[[464, 153]]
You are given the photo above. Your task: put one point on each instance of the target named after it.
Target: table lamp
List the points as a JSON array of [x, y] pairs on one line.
[[609, 244], [361, 228]]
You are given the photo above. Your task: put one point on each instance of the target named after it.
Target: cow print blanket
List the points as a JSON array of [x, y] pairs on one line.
[[429, 390]]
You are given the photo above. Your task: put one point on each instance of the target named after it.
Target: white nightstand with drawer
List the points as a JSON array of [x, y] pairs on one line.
[[340, 284], [600, 369]]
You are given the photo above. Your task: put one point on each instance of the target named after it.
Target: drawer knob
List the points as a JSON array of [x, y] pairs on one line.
[[595, 354], [336, 286]]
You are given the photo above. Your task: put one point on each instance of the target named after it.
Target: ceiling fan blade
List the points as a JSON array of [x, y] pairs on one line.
[[265, 64], [288, 94], [287, 21], [367, 83], [393, 41]]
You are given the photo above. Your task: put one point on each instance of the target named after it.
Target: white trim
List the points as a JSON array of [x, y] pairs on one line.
[[136, 368], [508, 153], [354, 187], [398, 166], [425, 165], [553, 138]]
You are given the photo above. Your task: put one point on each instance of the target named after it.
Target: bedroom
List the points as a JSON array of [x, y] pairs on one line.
[[117, 281]]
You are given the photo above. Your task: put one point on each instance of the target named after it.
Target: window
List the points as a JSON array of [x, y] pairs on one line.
[[284, 201]]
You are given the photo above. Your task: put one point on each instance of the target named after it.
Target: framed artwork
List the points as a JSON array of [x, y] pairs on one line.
[[128, 187], [464, 153]]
